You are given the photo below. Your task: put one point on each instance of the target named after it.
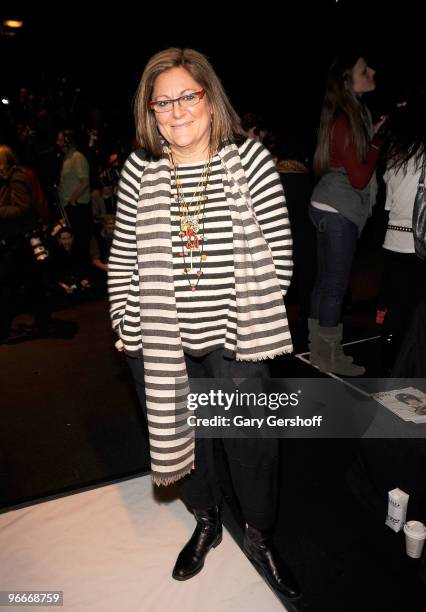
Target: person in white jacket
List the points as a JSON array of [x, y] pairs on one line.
[[404, 279]]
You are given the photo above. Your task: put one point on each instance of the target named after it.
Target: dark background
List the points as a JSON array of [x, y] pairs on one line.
[[271, 57]]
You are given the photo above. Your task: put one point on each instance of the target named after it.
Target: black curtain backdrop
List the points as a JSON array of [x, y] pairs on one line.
[[272, 58]]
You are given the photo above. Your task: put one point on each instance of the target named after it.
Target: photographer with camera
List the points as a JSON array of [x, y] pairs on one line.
[[20, 259]]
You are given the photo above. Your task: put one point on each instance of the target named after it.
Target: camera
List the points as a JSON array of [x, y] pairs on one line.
[[39, 250]]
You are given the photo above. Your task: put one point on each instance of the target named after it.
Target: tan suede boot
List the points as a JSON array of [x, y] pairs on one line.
[[314, 343], [330, 353]]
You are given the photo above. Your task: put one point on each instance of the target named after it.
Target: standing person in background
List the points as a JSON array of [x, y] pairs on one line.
[[345, 160], [404, 280], [109, 178], [199, 265], [74, 188], [18, 260]]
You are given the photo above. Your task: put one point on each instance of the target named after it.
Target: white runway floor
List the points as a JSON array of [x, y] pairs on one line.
[[112, 549]]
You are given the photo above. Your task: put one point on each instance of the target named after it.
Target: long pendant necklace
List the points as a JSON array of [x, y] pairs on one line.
[[191, 223]]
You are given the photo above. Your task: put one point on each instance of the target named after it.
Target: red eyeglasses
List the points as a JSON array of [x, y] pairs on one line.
[[190, 99]]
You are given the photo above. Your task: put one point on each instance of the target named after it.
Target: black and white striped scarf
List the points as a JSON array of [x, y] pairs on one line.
[[262, 327]]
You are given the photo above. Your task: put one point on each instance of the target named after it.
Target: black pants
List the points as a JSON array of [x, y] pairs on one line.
[[403, 287], [18, 265], [81, 220], [253, 462]]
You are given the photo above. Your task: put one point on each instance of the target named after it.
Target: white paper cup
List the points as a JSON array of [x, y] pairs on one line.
[[415, 536]]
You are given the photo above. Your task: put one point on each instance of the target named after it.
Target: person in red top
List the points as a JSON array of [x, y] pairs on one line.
[[345, 160], [39, 198], [343, 153]]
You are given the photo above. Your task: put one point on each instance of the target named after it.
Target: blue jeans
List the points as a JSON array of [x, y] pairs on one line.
[[336, 243]]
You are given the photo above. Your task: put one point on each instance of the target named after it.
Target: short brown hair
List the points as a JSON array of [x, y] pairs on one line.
[[225, 121]]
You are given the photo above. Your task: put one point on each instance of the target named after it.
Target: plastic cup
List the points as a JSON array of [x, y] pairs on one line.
[[415, 536]]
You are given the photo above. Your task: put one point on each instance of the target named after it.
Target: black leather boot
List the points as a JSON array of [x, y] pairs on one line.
[[259, 548], [207, 534]]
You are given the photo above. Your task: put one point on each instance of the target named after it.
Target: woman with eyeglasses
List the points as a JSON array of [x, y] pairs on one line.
[[199, 266], [345, 160]]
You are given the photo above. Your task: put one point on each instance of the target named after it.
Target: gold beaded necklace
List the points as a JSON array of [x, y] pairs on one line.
[[191, 222]]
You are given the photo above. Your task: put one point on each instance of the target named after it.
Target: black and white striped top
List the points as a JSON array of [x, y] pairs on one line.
[[206, 316]]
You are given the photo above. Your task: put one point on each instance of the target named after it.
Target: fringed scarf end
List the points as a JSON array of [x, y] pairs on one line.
[[164, 480], [269, 355]]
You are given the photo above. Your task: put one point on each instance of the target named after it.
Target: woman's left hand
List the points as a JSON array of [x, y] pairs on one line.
[[378, 126]]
